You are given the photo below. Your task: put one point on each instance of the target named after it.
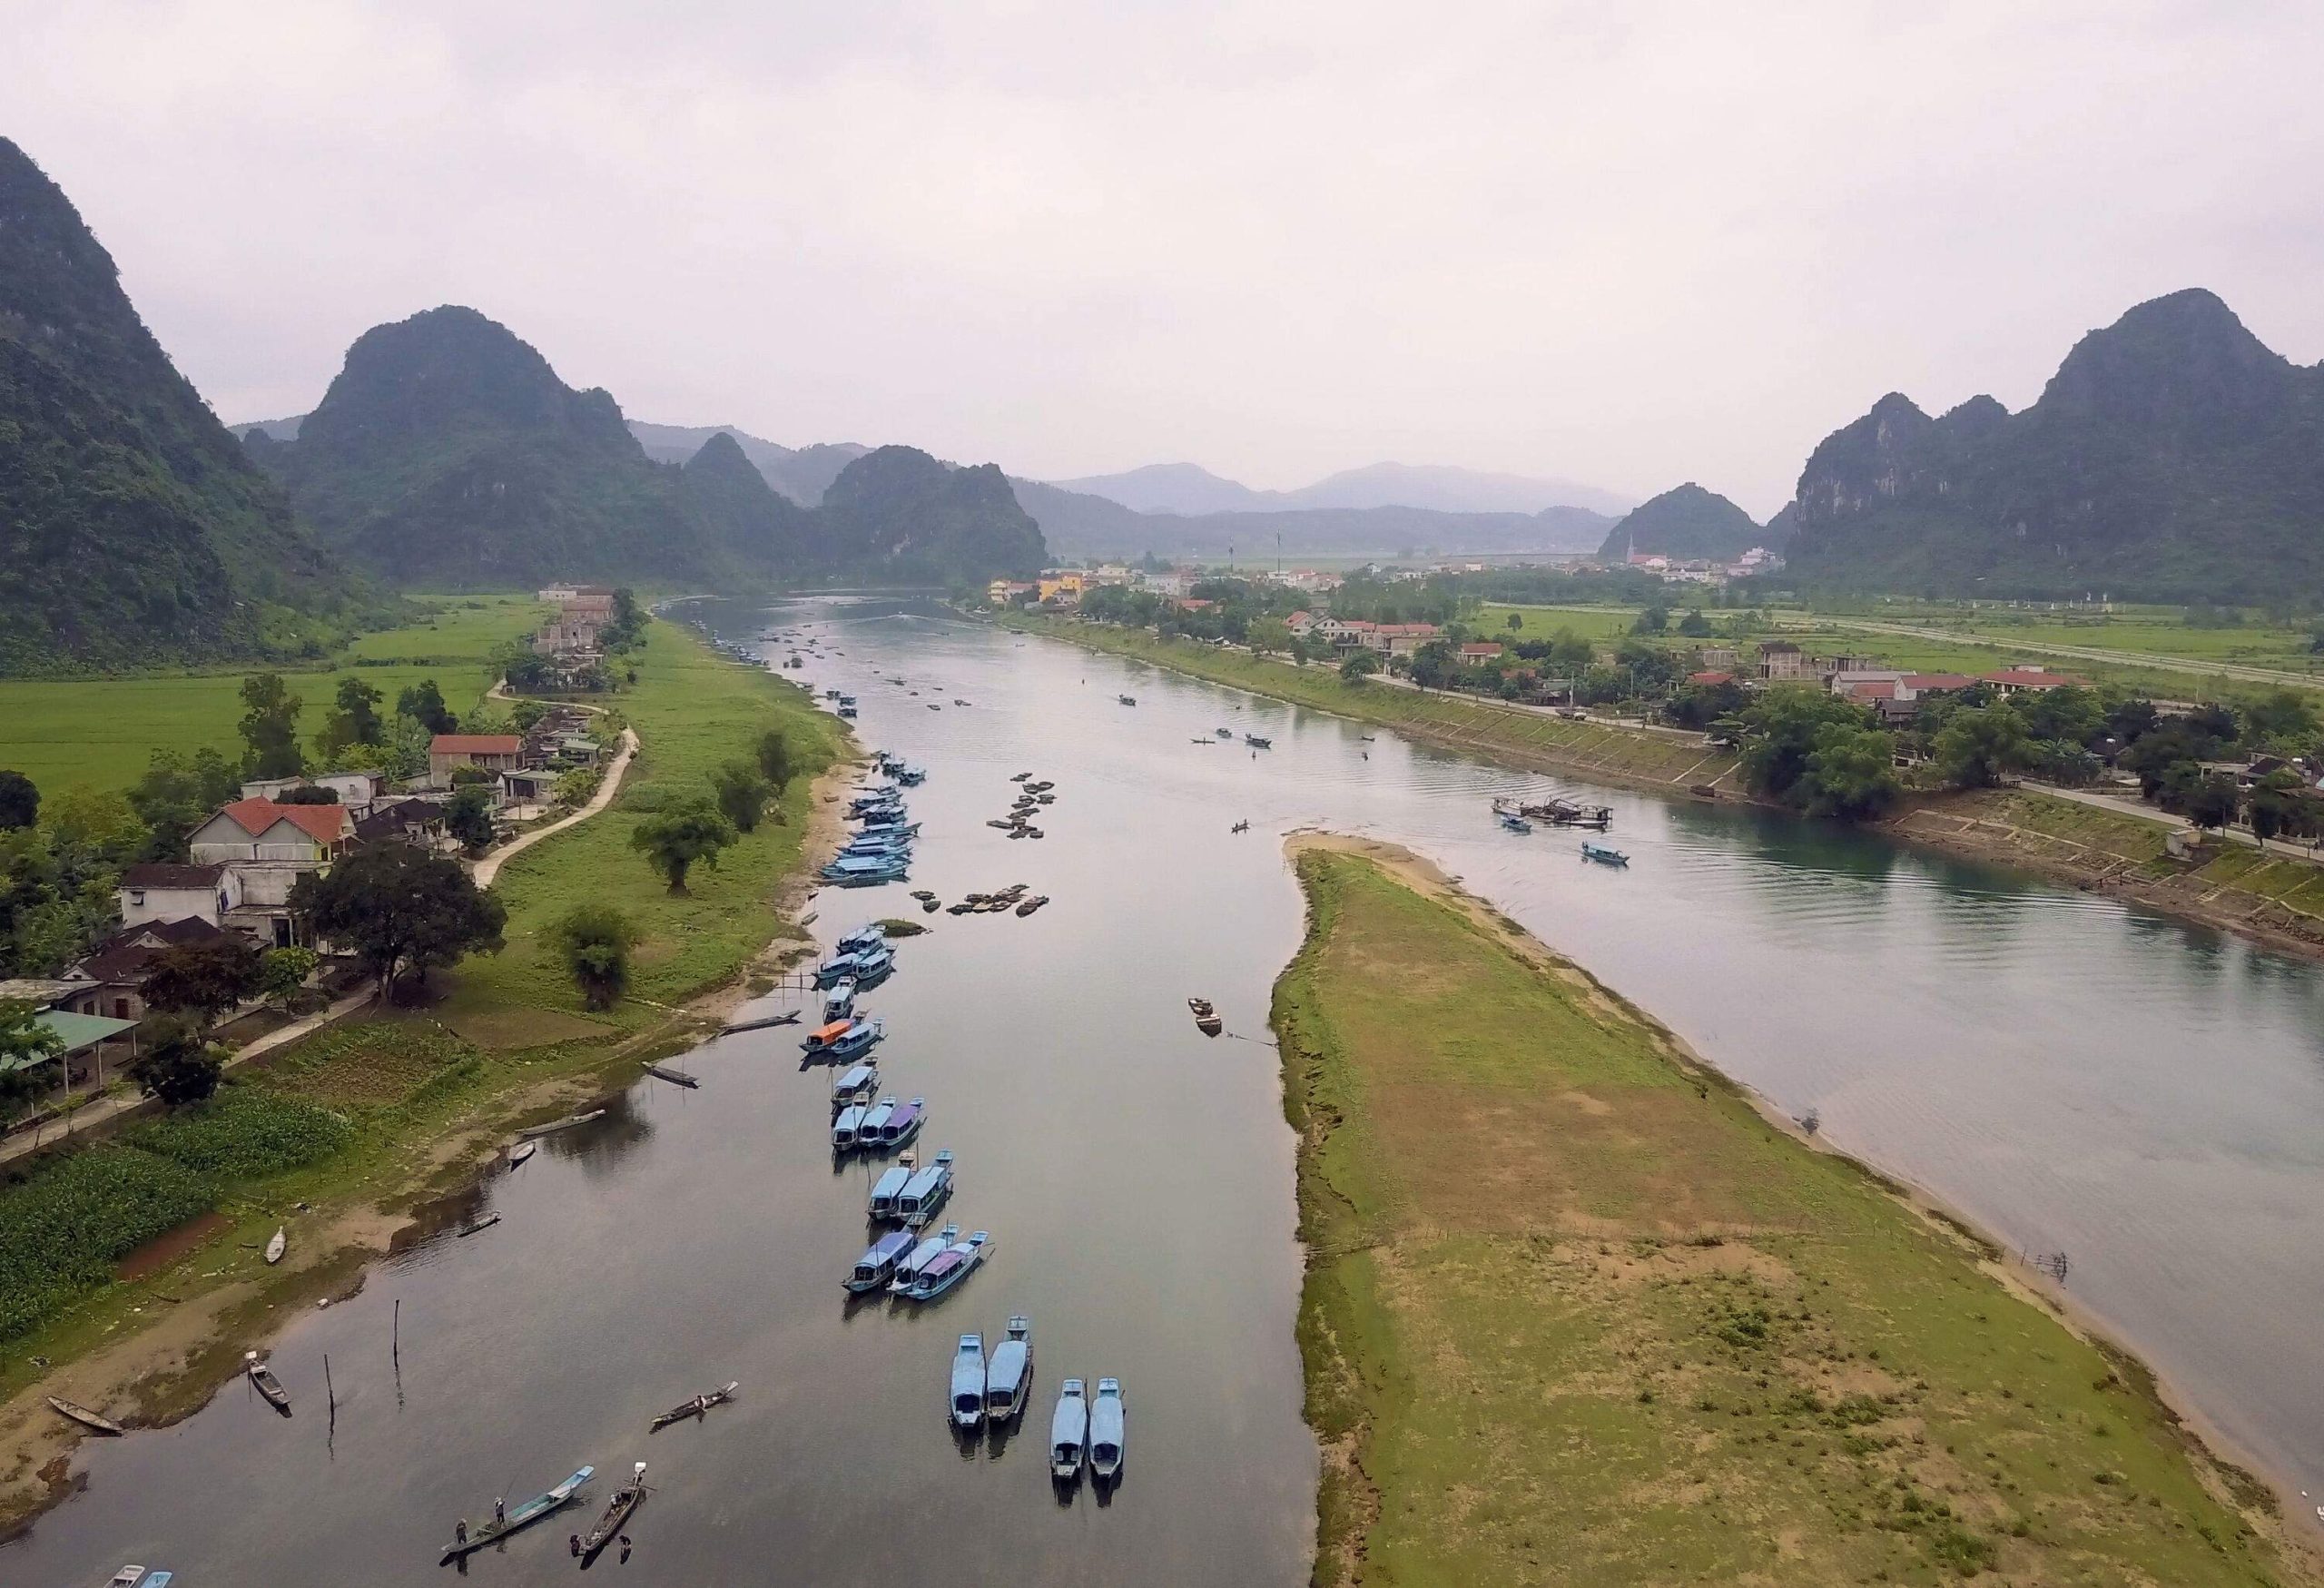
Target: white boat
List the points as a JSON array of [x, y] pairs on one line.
[[968, 1383], [949, 1267], [888, 1188], [521, 1151], [867, 1134], [1068, 1432], [1105, 1431], [127, 1577], [908, 1266], [839, 1002], [847, 1130], [1009, 1377], [277, 1245], [926, 1191], [851, 1087], [903, 1124]]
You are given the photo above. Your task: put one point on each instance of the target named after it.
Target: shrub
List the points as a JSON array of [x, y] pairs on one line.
[[244, 1133], [62, 1230]]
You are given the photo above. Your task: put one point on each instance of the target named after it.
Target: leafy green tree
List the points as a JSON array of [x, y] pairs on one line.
[[2281, 716], [2282, 806], [674, 841], [177, 1063], [776, 764], [1570, 654], [202, 980], [1780, 730], [468, 817], [19, 801], [25, 1042], [1850, 774], [400, 908], [740, 791], [1655, 619], [270, 727], [1698, 705], [1516, 622], [526, 714], [1695, 625], [575, 788], [355, 720], [1360, 664], [281, 972], [595, 941], [424, 704], [175, 794], [98, 823], [1652, 669], [1269, 636], [2208, 799], [2069, 713], [628, 622], [1976, 747]]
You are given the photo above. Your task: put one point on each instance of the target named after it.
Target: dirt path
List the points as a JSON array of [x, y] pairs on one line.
[[489, 866]]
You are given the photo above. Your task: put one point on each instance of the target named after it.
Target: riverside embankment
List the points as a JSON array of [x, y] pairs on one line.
[[1577, 1311]]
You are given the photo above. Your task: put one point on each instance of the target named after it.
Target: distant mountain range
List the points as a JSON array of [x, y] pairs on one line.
[[1190, 488], [2172, 455], [1686, 522], [803, 474]]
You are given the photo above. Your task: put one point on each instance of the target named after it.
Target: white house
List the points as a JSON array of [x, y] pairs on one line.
[[269, 847], [159, 892]]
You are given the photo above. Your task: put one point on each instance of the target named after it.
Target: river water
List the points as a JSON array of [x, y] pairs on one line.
[[2144, 1096]]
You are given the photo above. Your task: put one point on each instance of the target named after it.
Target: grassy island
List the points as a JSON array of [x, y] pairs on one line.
[[1577, 1312]]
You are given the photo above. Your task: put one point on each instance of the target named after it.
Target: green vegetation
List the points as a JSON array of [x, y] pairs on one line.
[[1575, 1312], [1686, 522], [244, 1133], [63, 1227], [596, 941]]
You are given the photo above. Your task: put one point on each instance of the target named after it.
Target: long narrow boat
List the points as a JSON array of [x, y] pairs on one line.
[[847, 1129], [618, 1510], [276, 1246], [881, 1204], [1008, 1376], [696, 1406], [520, 1152], [1258, 743], [759, 1024], [1068, 1432], [263, 1378], [519, 1517], [85, 1417], [877, 1267], [1106, 1432], [860, 1080], [902, 1126], [673, 1076], [474, 1225], [530, 1131], [968, 1383], [949, 1267], [867, 1129], [927, 1191], [1603, 853], [908, 1266]]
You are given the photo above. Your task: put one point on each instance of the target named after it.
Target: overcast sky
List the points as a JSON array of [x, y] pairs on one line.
[[1626, 242]]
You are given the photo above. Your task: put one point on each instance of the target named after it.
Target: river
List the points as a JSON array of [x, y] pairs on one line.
[[2145, 1096]]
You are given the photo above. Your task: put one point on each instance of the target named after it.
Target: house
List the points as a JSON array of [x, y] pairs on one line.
[[1480, 651], [153, 890], [117, 969], [448, 753], [1710, 676], [1192, 603], [569, 634], [1915, 684], [354, 789], [1061, 586], [268, 848], [591, 602], [1300, 624], [1400, 639], [1342, 634], [2027, 680], [1004, 592], [405, 821], [1719, 658], [1780, 661]]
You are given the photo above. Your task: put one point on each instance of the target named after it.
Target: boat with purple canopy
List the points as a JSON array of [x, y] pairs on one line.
[[901, 1125], [948, 1267], [877, 1267]]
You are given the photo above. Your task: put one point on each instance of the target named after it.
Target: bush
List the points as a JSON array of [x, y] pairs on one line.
[[244, 1133], [595, 941], [62, 1230]]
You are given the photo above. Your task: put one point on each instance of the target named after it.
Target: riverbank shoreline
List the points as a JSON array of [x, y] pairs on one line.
[[186, 1332], [1381, 1202]]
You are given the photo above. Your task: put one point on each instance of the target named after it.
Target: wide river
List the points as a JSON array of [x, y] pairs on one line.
[[2146, 1097]]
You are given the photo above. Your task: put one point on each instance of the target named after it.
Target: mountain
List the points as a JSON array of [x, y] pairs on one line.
[[722, 491], [1081, 525], [133, 528], [1189, 488], [803, 474], [1686, 521], [2172, 457], [898, 513]]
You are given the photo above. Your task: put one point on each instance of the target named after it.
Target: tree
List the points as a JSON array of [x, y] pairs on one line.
[[282, 972], [2069, 712], [1850, 774], [595, 941], [19, 801], [400, 908], [175, 794], [675, 840], [1695, 625], [2281, 804], [775, 764], [1782, 729], [308, 794], [25, 1042], [740, 791], [1516, 622], [270, 727], [202, 980], [1360, 664], [1269, 635], [175, 1063], [355, 721], [1976, 747], [468, 817], [1570, 654], [627, 623], [424, 704], [2282, 716], [2208, 799], [1653, 620]]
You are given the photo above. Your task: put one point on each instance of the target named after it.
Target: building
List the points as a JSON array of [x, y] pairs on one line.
[[268, 848], [356, 790], [2028, 680], [1781, 662], [1480, 651], [116, 971], [156, 891], [1061, 586], [1004, 592], [448, 753], [568, 633], [1710, 676], [1719, 658], [1401, 640]]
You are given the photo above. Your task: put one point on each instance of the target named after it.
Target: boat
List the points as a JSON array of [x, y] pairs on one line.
[[922, 894], [839, 1002], [1033, 903], [696, 1406], [127, 1577], [1243, 826], [867, 1133], [1207, 1019], [948, 1267], [518, 1517], [1106, 1430], [618, 1510], [1068, 1432], [877, 1265], [262, 1376], [926, 1193], [881, 1204], [1205, 741], [474, 1225], [158, 1579], [1256, 743], [674, 1076], [843, 1038], [903, 1124], [847, 712], [85, 1417], [790, 1018], [1515, 823], [276, 1246], [910, 776], [1009, 1379], [865, 871], [1223, 733], [851, 1086], [870, 936], [847, 1129], [930, 906], [520, 1152], [1127, 699], [863, 966], [1604, 853], [908, 1266], [968, 1383], [530, 1131], [1019, 777]]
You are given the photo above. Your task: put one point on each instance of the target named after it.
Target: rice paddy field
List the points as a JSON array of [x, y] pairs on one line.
[[1576, 1313]]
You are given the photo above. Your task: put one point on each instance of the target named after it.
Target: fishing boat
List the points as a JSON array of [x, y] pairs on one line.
[[276, 1246], [530, 1131], [847, 1129], [618, 1510], [1127, 699], [854, 1084], [968, 1383], [877, 1265], [1207, 1019], [1200, 740], [1223, 733], [1019, 776], [845, 1038], [787, 1017], [158, 1579], [1105, 1431], [1258, 743], [871, 935], [674, 1075], [520, 1152], [910, 776], [847, 712], [85, 1417], [1033, 903], [1604, 853], [863, 966], [696, 1406], [518, 1517], [882, 1205], [268, 1385], [1008, 1378], [948, 1267], [908, 1266], [1068, 1432], [1515, 823], [926, 1193], [857, 871], [930, 906], [900, 1127], [1243, 826], [474, 1225]]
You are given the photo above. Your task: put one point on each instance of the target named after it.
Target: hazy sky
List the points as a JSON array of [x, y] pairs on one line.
[[1631, 243]]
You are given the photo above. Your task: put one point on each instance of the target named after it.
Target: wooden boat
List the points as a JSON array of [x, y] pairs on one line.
[[880, 1205], [1033, 903], [1515, 823], [1204, 741], [474, 1225], [618, 1510], [847, 1128], [901, 1125], [127, 1577], [518, 1517], [1127, 699], [949, 1267], [1105, 1431], [696, 1406], [276, 1246], [928, 1190], [1068, 1432], [1207, 1019], [761, 1023], [520, 1152], [1258, 743], [930, 906], [1021, 776], [922, 894], [1008, 1376], [1604, 855], [1223, 733], [673, 1076], [530, 1131], [262, 1376], [877, 1267], [968, 1384], [85, 1417], [1240, 828]]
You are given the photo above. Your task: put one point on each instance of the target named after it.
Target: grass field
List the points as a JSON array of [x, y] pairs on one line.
[[102, 731], [1575, 1313]]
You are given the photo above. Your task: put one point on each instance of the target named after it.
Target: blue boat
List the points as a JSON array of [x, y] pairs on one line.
[[1105, 1431], [902, 1126], [846, 1038], [927, 1191], [870, 936], [519, 1516], [871, 847], [888, 821], [875, 799], [847, 712], [1603, 853], [877, 1267], [949, 1267], [968, 1383], [847, 1128], [908, 1266], [867, 1134], [866, 871], [861, 966], [1070, 1427], [881, 1204], [839, 1002], [910, 776], [1008, 1376], [860, 1080], [1515, 823]]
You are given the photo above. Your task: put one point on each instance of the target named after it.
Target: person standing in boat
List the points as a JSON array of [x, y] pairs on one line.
[[499, 1513], [460, 1530]]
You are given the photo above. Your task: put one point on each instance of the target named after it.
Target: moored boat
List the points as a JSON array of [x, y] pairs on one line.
[[1515, 823], [877, 1267], [1008, 1376], [1106, 1430], [867, 1132], [84, 1417], [696, 1406], [843, 1038], [1068, 1432], [1603, 853], [674, 1075], [881, 1203], [854, 1083], [1127, 699], [276, 1247], [948, 1267], [520, 1152], [474, 1225], [908, 1266], [1259, 742], [1207, 1019], [927, 1191], [518, 1517], [847, 1129], [968, 1383], [900, 1127], [554, 1126], [263, 1378], [865, 871]]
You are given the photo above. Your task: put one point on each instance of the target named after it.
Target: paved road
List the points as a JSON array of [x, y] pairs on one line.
[[2146, 813], [488, 867], [2149, 659]]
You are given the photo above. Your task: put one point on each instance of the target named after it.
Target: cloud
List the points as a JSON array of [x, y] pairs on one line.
[[1633, 244]]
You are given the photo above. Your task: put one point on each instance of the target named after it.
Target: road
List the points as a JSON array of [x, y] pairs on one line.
[[489, 866], [2148, 659]]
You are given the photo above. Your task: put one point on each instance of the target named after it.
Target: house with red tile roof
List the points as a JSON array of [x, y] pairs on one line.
[[1710, 675], [448, 753], [268, 848], [1480, 651]]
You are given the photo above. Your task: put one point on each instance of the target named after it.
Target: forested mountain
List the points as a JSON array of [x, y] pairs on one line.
[[898, 513], [801, 473], [1686, 521], [2172, 457], [1191, 490], [132, 529], [1092, 526]]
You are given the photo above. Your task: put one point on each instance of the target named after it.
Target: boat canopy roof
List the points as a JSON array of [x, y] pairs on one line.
[[892, 1246], [831, 1032]]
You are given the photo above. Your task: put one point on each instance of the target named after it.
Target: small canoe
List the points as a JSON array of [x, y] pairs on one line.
[[564, 1124], [276, 1246], [85, 1417], [474, 1225], [1207, 1019], [1604, 855], [263, 1378], [696, 1406], [618, 1510], [675, 1076], [520, 1152], [761, 1023]]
